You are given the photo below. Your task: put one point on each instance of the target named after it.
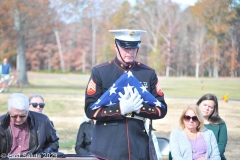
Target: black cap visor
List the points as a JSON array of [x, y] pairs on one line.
[[128, 44]]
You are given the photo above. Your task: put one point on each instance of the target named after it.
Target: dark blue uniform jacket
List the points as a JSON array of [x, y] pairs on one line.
[[116, 137]]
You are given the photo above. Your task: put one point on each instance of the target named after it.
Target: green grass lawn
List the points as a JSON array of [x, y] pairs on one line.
[[183, 87], [191, 87]]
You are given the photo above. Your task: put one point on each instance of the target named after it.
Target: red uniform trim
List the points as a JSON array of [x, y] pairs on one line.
[[98, 156], [159, 111], [128, 140], [96, 112]]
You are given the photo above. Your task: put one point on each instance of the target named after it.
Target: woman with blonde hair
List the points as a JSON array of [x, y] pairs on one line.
[[192, 141]]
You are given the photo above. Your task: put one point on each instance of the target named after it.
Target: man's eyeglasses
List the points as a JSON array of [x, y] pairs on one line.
[[16, 116], [41, 105], [187, 118]]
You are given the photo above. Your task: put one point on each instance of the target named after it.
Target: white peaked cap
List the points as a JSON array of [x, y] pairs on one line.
[[128, 34]]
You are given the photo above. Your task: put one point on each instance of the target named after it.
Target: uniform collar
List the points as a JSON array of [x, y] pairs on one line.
[[121, 65]]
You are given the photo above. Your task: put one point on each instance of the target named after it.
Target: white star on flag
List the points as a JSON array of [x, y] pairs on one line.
[[144, 89], [129, 74], [112, 90]]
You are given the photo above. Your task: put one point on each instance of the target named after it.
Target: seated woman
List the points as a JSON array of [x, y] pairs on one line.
[[36, 103], [84, 136], [208, 104], [193, 141]]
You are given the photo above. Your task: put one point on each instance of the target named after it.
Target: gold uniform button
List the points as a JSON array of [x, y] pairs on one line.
[[121, 65], [130, 66], [153, 110], [143, 108], [110, 111], [117, 111], [149, 109], [144, 130], [105, 112], [104, 124], [138, 63]]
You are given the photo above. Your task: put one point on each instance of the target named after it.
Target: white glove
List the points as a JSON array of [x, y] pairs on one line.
[[137, 108], [139, 104], [130, 101]]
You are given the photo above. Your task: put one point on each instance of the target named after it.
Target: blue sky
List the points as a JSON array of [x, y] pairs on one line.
[[183, 3]]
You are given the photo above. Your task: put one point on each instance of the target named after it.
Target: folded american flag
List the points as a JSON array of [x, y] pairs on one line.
[[111, 96]]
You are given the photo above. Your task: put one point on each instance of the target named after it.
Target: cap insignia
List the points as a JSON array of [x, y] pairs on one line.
[[132, 33]]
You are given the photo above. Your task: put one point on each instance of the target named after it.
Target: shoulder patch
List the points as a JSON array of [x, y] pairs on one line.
[[158, 89], [91, 88]]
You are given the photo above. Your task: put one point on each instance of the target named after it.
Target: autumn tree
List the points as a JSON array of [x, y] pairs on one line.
[[7, 35], [72, 35], [198, 41], [182, 47], [216, 15], [234, 33], [24, 17], [161, 25], [88, 25]]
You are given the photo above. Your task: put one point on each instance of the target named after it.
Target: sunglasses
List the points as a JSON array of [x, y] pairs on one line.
[[187, 118], [20, 116], [41, 105]]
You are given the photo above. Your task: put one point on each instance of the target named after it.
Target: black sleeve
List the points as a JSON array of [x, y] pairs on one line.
[[80, 146], [51, 144]]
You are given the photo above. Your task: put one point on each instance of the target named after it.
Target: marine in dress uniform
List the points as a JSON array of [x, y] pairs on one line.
[[119, 132]]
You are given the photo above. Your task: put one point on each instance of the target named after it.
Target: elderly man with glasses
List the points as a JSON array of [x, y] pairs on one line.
[[26, 133]]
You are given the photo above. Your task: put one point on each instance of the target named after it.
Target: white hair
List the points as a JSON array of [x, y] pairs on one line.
[[18, 101]]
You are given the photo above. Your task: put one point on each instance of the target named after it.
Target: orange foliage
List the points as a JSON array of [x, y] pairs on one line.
[[215, 15]]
